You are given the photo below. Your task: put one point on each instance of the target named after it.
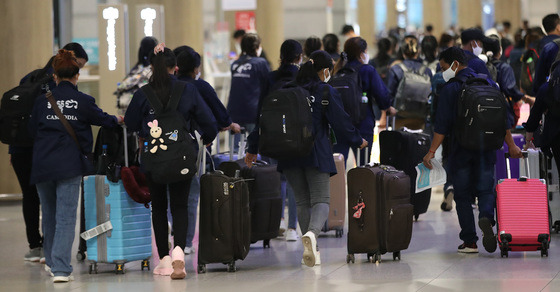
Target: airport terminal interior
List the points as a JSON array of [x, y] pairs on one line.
[[110, 32]]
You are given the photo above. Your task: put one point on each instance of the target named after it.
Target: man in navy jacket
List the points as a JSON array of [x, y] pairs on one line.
[[548, 50], [472, 171]]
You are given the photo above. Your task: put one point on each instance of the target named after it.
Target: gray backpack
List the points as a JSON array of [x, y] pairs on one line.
[[411, 99]]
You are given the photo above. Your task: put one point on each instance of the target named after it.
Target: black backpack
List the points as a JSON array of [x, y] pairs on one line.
[[347, 82], [552, 99], [286, 123], [413, 91], [481, 122], [168, 153], [528, 66], [16, 106]]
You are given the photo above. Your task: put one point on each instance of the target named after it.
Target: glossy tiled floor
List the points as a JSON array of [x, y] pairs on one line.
[[430, 264]]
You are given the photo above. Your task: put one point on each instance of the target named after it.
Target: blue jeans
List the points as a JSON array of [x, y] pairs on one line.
[[59, 203], [473, 176], [312, 192], [193, 205], [287, 191]]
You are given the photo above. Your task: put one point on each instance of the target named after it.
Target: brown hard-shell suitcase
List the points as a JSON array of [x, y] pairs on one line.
[[337, 206]]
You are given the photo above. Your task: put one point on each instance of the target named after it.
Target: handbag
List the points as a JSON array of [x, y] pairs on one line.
[[86, 158]]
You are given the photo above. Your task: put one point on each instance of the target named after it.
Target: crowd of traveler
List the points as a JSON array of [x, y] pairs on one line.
[[50, 172]]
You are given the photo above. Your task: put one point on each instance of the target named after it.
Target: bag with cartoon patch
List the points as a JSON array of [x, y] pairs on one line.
[[168, 153]]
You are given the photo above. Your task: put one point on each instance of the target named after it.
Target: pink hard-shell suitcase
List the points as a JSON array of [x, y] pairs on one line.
[[522, 212]]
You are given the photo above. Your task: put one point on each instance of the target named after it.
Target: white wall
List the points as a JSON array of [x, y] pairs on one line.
[[535, 10]]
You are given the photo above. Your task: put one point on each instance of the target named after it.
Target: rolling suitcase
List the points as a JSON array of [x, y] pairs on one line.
[[404, 150], [379, 212], [522, 212], [118, 229], [552, 178], [265, 196], [337, 206], [224, 223]]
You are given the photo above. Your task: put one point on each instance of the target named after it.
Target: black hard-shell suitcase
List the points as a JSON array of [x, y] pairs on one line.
[[265, 197], [224, 224], [379, 212], [404, 150]]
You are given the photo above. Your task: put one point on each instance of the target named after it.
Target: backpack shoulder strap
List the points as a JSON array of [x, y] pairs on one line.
[[403, 67], [152, 98], [176, 93]]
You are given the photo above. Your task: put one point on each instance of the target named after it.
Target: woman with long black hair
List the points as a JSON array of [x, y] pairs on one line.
[[309, 175], [139, 113]]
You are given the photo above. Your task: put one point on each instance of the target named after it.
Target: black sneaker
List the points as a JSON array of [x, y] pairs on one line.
[[488, 237], [467, 248], [447, 204]]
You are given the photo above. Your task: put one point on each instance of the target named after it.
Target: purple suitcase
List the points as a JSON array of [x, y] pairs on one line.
[[501, 171]]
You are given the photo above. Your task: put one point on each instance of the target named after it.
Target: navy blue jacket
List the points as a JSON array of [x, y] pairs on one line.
[[546, 58], [545, 41], [191, 106], [445, 120], [515, 61], [476, 63], [396, 73], [249, 81], [373, 85], [506, 80], [321, 156], [55, 154], [209, 95], [285, 72], [551, 127]]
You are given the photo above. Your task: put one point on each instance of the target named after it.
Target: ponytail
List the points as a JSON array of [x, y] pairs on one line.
[[341, 62], [162, 60]]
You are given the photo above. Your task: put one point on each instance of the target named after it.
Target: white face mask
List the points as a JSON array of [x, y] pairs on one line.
[[325, 73], [477, 50], [365, 60], [197, 75], [449, 73], [259, 51]]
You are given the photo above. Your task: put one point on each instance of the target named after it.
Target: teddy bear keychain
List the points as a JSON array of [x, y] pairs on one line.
[[155, 132]]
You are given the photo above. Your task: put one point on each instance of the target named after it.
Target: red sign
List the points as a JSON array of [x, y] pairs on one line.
[[245, 20]]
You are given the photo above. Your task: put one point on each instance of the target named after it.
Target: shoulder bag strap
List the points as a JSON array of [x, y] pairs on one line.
[[176, 93], [63, 119], [152, 98]]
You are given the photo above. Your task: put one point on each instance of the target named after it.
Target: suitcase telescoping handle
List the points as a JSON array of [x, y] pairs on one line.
[[358, 157], [242, 142], [125, 145], [392, 123], [525, 158]]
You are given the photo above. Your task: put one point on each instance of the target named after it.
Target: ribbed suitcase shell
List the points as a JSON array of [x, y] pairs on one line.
[[337, 207], [131, 236], [522, 211]]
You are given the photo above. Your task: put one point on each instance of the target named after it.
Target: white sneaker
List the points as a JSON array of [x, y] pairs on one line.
[[48, 270], [309, 249], [291, 235], [189, 250], [63, 279], [317, 259], [164, 268], [282, 229]]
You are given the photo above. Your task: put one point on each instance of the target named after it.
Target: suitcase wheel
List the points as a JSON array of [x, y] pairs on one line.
[[146, 264], [93, 268], [374, 258], [339, 233], [201, 269], [397, 256], [350, 258], [556, 226], [81, 256], [416, 217], [231, 267], [119, 268], [266, 243], [504, 248]]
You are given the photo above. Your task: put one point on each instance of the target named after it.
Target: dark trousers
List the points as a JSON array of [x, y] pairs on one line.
[[178, 203], [21, 163], [556, 151]]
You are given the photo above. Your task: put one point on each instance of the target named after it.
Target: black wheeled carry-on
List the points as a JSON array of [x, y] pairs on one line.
[[225, 229], [265, 197], [379, 212], [404, 150]]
